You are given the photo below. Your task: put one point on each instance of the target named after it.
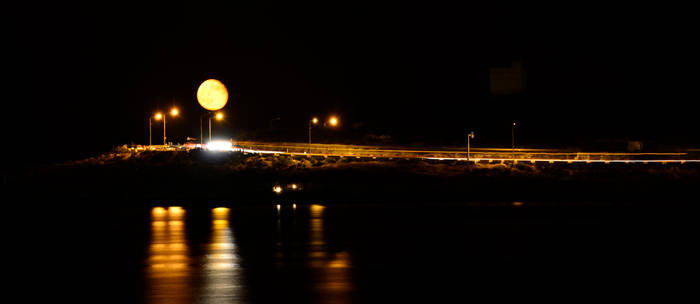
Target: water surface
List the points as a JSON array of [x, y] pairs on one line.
[[314, 253]]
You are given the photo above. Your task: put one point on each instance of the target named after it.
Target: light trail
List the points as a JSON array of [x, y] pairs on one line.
[[478, 155], [553, 160], [491, 160]]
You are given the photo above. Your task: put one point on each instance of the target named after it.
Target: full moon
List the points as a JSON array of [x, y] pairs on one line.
[[212, 94]]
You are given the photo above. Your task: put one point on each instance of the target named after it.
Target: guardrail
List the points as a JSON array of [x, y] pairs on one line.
[[358, 151], [476, 153]]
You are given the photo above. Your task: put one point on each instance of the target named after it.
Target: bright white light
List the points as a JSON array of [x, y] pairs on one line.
[[220, 146]]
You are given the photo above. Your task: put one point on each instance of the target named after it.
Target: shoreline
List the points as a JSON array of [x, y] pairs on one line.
[[192, 176]]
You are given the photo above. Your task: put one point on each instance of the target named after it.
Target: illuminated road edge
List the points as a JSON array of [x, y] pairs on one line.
[[358, 152], [491, 160]]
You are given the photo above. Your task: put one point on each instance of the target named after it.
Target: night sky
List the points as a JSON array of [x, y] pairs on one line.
[[89, 77]]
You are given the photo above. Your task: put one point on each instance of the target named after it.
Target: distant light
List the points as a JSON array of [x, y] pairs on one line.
[[174, 112], [158, 116], [517, 204], [220, 145], [294, 186], [277, 189], [294, 206], [278, 207], [219, 116], [333, 121], [314, 120]]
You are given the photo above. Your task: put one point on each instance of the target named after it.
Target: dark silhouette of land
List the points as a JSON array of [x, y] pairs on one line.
[[201, 176]]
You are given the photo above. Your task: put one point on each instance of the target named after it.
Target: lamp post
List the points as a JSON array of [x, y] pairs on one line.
[[150, 124], [158, 116], [512, 140], [332, 121], [312, 122], [165, 143], [219, 116], [469, 135], [174, 112]]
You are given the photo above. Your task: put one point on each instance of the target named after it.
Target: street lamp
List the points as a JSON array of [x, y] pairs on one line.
[[173, 112], [219, 116], [469, 135], [312, 122], [333, 121], [157, 116], [512, 140]]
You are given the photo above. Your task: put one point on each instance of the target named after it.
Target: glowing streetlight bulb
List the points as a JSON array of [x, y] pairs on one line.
[[333, 121], [158, 116], [219, 116], [314, 120], [174, 112]]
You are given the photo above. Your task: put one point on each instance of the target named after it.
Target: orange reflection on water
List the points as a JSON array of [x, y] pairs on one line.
[[332, 277], [159, 212], [176, 211], [317, 242], [220, 213], [335, 283], [169, 271], [221, 271]]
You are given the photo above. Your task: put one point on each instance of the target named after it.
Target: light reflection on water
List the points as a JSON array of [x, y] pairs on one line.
[[369, 253], [179, 273], [169, 272], [221, 269], [333, 280]]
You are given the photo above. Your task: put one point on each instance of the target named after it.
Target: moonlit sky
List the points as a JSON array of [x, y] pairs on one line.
[[420, 74]]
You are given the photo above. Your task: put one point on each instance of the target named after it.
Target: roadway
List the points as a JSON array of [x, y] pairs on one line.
[[488, 155]]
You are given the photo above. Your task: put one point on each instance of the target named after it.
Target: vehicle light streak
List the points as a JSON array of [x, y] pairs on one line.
[[549, 160], [545, 157]]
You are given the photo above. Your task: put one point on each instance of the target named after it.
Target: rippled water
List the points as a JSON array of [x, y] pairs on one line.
[[361, 253], [210, 269]]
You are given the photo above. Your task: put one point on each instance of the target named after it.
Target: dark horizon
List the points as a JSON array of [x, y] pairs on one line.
[[420, 75]]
